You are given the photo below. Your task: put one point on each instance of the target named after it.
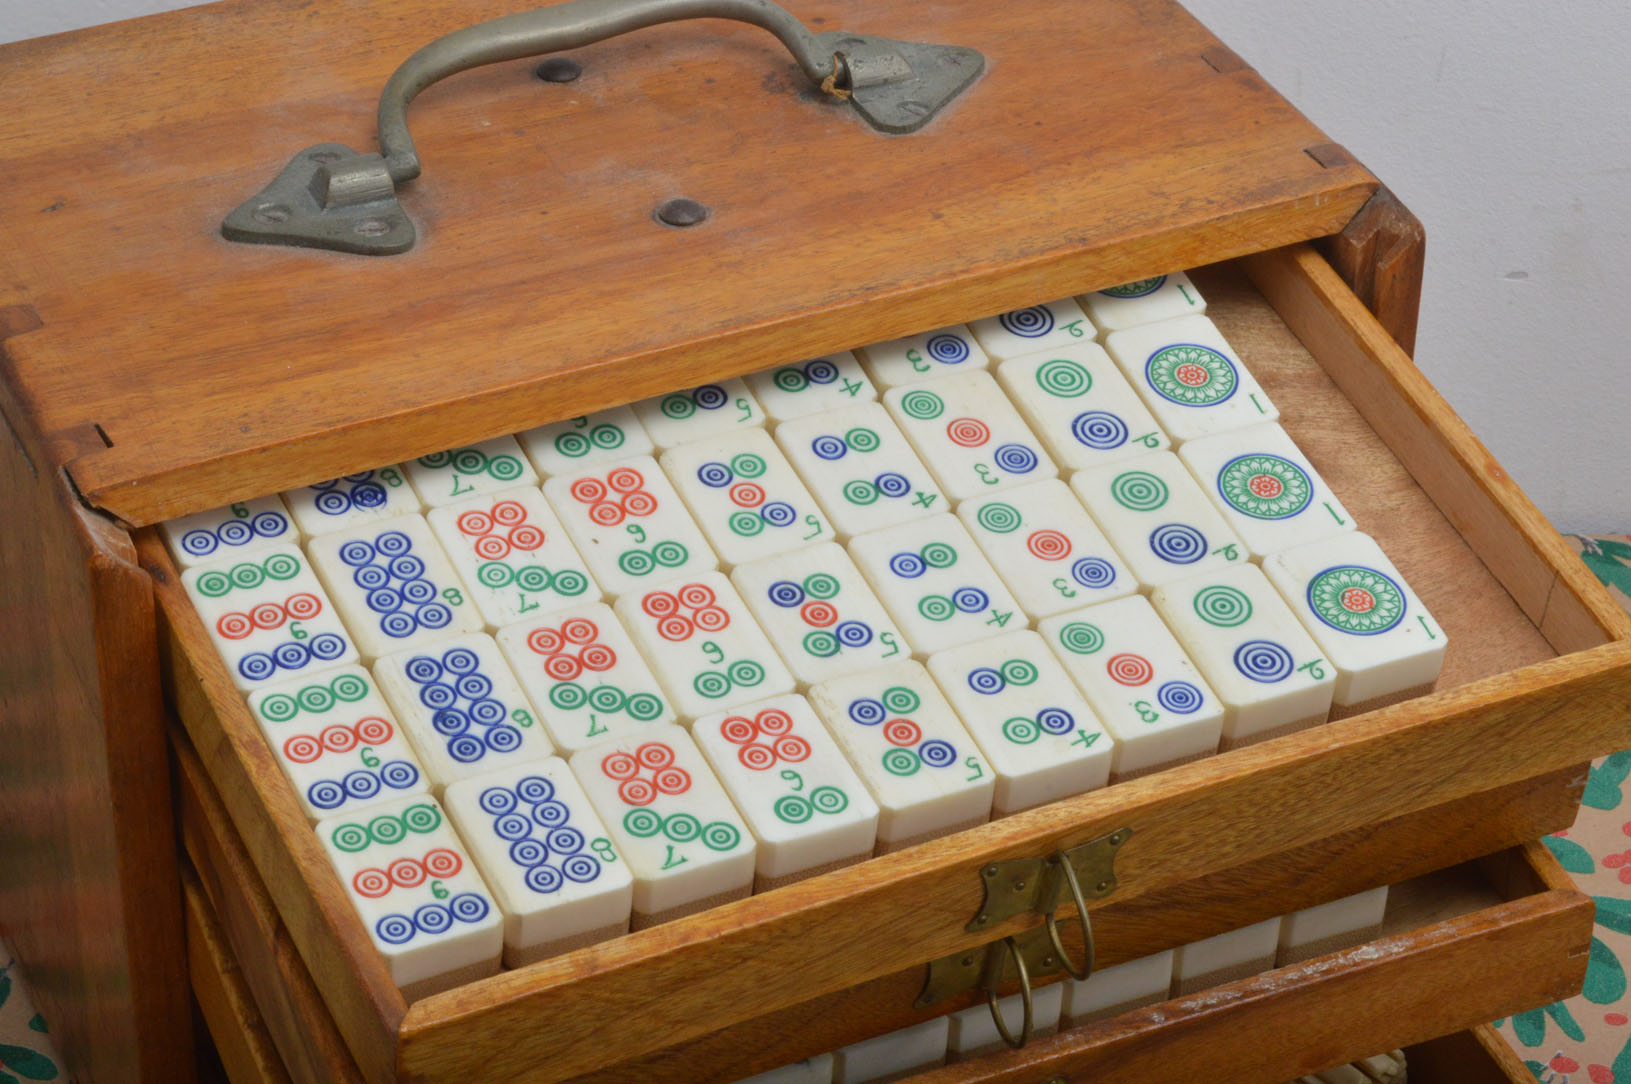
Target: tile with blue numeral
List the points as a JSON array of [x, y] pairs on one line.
[[393, 586], [418, 893], [922, 767], [1157, 517], [936, 584], [588, 440], [1190, 377], [269, 617], [513, 555], [1039, 327], [241, 528], [809, 387], [1143, 301], [969, 435], [337, 741], [1384, 644], [458, 474], [357, 498], [546, 856], [801, 799], [1046, 548], [629, 525], [1081, 407], [745, 496], [462, 708], [819, 611], [671, 820], [709, 410], [1141, 684], [1271, 676], [1036, 731], [1266, 488], [702, 642], [582, 672], [917, 358], [860, 468]]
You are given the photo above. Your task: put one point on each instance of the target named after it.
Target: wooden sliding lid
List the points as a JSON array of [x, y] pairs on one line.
[[1107, 140]]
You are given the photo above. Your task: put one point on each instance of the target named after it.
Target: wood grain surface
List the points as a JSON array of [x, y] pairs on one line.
[[241, 1040], [1382, 255]]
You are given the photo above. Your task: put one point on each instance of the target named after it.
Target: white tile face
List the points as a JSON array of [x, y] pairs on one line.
[[1234, 949], [888, 1056], [1080, 406], [910, 749], [816, 1070], [357, 498], [1354, 914], [710, 410], [242, 528], [338, 743], [745, 496], [1027, 331], [1252, 650], [1190, 377], [669, 817], [1140, 682], [460, 474], [392, 586], [1046, 548], [513, 555], [415, 888], [1164, 297], [968, 434], [1034, 728], [269, 617], [860, 468], [819, 611], [462, 708], [542, 850], [1148, 978], [1362, 614], [581, 671], [706, 649], [936, 584], [922, 357], [589, 440], [629, 525], [800, 797], [1158, 519], [973, 1030], [809, 387], [1266, 488]]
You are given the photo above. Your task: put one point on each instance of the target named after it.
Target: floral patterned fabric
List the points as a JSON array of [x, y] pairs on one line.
[[25, 1047]]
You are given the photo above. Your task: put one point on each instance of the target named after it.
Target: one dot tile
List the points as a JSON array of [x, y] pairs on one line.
[[702, 642], [462, 708], [392, 586], [589, 440], [916, 358], [1364, 616], [936, 584], [1254, 653], [1190, 377], [1158, 519], [1142, 685], [1144, 301], [582, 672], [710, 410], [1237, 954], [819, 612], [269, 617], [809, 387], [968, 435], [242, 528], [547, 857], [513, 555], [893, 1055], [974, 1031], [1082, 408], [801, 799], [922, 767], [1033, 726], [860, 468], [1331, 927], [1046, 548], [1047, 326], [669, 817], [337, 741], [1111, 991], [745, 496], [355, 499], [459, 474], [816, 1070], [629, 525], [1266, 488]]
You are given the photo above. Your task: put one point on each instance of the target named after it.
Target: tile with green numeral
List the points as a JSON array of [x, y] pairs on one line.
[[1143, 301], [708, 410], [1158, 519], [354, 499], [968, 434], [916, 358], [241, 528], [1048, 326], [475, 470], [860, 468], [588, 440], [513, 555], [1266, 488], [745, 496], [809, 387], [1081, 407], [1190, 377]]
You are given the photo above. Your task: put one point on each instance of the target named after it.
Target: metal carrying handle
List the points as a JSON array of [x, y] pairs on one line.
[[993, 980], [1068, 871], [332, 197]]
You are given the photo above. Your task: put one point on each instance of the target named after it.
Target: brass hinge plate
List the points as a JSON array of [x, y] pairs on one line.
[[1022, 884]]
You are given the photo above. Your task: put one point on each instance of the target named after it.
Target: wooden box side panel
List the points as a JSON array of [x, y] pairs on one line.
[[245, 1048]]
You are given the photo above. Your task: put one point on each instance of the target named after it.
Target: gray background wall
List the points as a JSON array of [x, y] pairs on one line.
[[1504, 127]]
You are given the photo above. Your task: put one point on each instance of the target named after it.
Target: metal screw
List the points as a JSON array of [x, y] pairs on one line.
[[1019, 884], [372, 227], [325, 157], [914, 108], [990, 871], [1104, 886], [982, 920], [559, 69], [968, 961], [271, 213], [681, 212]]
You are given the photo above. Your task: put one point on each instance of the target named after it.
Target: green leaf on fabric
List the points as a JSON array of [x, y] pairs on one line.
[[1530, 1027], [1560, 1012], [1603, 785], [1622, 1064], [1570, 855], [5, 986], [1614, 547], [1613, 913], [1612, 572], [30, 1063], [1605, 978], [7, 1078], [1535, 1067], [38, 1023]]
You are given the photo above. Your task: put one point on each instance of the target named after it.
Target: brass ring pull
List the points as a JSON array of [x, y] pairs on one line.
[[1024, 994], [1069, 872]]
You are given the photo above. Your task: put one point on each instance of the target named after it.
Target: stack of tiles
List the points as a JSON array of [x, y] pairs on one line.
[[658, 657]]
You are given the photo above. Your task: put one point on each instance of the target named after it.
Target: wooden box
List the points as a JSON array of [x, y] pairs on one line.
[[149, 369]]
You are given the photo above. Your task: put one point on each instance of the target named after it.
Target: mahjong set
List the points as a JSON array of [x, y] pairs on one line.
[[631, 665]]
